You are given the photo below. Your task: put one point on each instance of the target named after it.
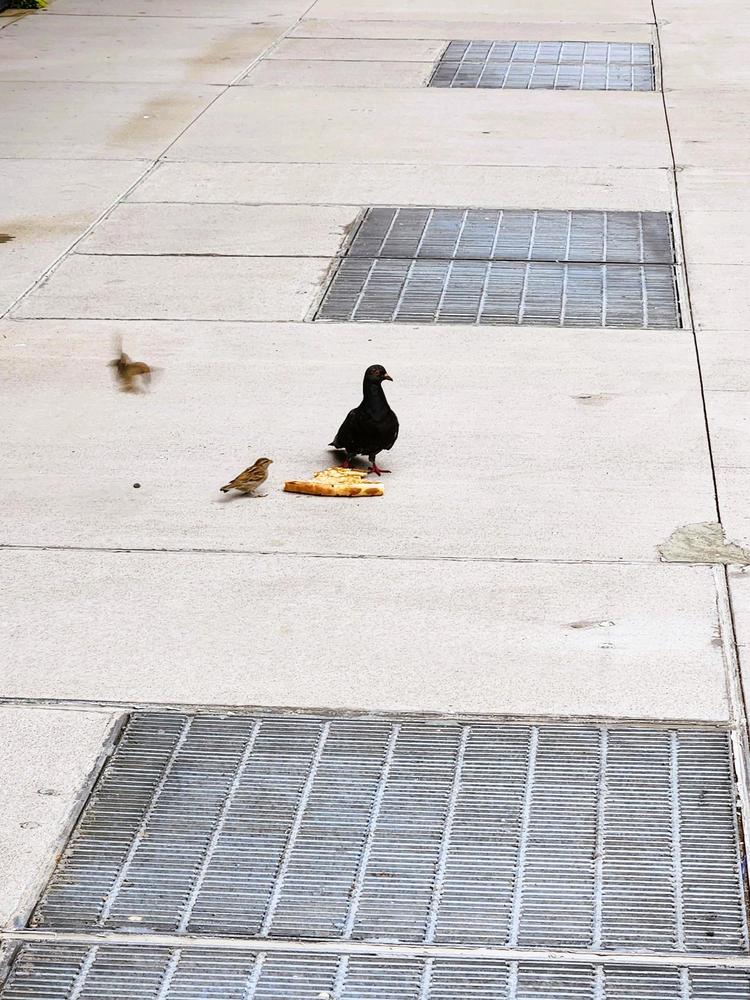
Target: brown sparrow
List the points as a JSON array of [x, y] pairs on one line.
[[249, 480], [128, 373]]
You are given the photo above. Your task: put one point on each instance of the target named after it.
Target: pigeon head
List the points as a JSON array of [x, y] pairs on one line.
[[377, 374]]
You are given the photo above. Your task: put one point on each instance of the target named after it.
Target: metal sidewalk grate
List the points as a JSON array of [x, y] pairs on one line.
[[495, 234], [546, 66], [71, 972], [412, 832], [492, 266]]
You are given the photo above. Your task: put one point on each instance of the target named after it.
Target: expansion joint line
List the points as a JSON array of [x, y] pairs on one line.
[[679, 229], [733, 677]]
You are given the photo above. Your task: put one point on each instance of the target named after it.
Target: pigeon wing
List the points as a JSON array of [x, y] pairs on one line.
[[350, 432], [391, 433]]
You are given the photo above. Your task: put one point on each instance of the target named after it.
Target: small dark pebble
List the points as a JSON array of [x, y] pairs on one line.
[[136, 486]]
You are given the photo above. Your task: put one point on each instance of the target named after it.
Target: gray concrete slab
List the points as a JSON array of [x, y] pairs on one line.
[[174, 287], [430, 126], [739, 590], [132, 49], [713, 190], [680, 14], [517, 29], [82, 121], [728, 412], [318, 73], [630, 641], [242, 230], [720, 296], [693, 65], [529, 444], [710, 128], [251, 10], [48, 205], [409, 184], [360, 49], [478, 10], [717, 237], [49, 760], [725, 359]]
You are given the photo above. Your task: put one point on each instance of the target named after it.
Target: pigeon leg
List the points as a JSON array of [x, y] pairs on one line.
[[346, 463], [374, 468]]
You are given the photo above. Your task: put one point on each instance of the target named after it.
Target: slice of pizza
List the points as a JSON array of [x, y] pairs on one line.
[[336, 482]]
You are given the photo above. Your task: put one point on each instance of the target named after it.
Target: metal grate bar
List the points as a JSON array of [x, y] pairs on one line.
[[489, 838], [366, 829], [286, 857], [83, 974], [705, 789], [515, 234], [676, 843], [246, 860], [364, 860], [218, 830], [601, 821], [131, 973], [155, 753], [506, 293], [442, 864], [546, 65], [325, 877], [196, 785], [638, 870]]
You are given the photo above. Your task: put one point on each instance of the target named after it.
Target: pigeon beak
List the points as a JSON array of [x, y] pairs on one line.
[[387, 378]]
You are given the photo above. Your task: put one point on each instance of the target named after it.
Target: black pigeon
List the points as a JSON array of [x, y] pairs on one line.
[[370, 427]]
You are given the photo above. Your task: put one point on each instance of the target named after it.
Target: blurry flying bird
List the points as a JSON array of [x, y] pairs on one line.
[[249, 480], [129, 373]]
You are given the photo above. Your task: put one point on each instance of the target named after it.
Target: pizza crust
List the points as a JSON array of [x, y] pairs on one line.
[[335, 482]]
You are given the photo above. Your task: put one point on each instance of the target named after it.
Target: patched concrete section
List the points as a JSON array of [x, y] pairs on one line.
[[430, 126], [385, 634], [705, 542], [50, 759], [410, 184], [489, 463]]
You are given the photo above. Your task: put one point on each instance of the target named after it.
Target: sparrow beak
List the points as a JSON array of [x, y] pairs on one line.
[[387, 378]]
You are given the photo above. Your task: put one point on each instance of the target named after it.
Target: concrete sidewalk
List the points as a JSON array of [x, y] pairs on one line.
[[180, 175]]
